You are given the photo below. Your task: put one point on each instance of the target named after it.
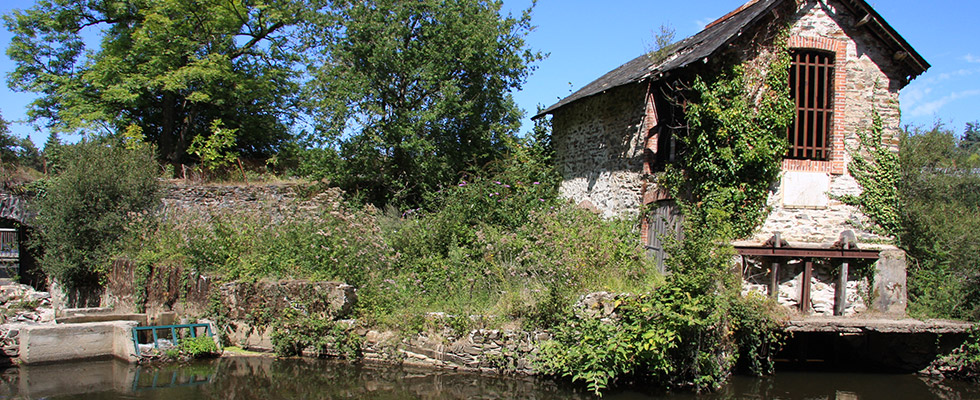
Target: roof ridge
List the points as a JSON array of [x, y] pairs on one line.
[[731, 14]]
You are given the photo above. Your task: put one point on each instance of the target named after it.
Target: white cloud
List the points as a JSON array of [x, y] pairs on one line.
[[914, 94], [970, 58], [932, 107]]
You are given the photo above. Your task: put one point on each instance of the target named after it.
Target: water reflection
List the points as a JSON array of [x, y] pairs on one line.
[[265, 378]]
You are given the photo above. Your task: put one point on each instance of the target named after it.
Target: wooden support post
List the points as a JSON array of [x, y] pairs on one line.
[[805, 287], [774, 272], [774, 280], [841, 293]]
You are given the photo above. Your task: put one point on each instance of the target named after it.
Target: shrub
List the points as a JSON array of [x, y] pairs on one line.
[[199, 347], [81, 212]]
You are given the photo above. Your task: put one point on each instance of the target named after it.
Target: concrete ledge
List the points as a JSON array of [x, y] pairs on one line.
[[55, 343], [863, 325], [77, 319]]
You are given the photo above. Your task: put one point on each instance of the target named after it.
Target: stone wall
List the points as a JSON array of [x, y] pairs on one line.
[[877, 288], [599, 144], [485, 350], [823, 287], [804, 203], [272, 198]]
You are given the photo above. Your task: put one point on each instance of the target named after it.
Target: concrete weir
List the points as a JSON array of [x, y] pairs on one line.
[[67, 342], [870, 344]]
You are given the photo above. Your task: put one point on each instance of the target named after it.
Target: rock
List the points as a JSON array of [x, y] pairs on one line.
[[601, 305]]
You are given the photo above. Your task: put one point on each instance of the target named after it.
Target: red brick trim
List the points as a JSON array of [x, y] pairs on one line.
[[836, 163]]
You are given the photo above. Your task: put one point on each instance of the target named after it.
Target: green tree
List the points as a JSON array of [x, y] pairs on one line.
[[17, 151], [52, 153], [169, 66], [412, 94], [82, 211], [971, 136], [939, 190]]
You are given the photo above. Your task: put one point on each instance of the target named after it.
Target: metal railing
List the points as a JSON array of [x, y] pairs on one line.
[[174, 329]]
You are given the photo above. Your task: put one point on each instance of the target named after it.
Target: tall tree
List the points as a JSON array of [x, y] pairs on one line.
[[971, 136], [170, 67], [412, 93]]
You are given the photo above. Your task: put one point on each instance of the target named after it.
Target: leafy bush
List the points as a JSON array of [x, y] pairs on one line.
[[82, 211], [315, 336], [199, 347]]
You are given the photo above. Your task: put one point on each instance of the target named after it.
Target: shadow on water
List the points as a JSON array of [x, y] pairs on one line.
[[266, 378]]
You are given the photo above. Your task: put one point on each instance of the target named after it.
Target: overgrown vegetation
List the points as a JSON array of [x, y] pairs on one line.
[[83, 210], [294, 336], [926, 197], [692, 330], [939, 193], [498, 243]]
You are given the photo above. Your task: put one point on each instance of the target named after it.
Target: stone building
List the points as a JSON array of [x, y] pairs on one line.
[[612, 136]]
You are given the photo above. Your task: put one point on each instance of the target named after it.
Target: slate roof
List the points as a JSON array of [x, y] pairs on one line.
[[715, 36]]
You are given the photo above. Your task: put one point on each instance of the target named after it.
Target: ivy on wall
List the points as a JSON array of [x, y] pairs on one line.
[[735, 140], [875, 166]]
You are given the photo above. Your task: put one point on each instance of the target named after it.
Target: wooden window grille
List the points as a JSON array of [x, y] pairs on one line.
[[811, 83]]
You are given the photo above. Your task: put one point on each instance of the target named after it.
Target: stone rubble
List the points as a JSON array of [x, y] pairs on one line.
[[20, 305]]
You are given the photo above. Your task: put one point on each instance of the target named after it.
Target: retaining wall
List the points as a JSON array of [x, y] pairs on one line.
[[66, 342]]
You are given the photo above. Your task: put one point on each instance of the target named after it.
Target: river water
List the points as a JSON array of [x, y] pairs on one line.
[[267, 378]]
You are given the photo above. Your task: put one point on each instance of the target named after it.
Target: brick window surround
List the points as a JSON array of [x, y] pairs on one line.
[[835, 164]]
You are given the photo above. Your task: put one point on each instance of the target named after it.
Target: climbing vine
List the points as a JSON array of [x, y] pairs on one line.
[[735, 141], [876, 168]]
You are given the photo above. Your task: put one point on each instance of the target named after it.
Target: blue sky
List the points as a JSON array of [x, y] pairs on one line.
[[587, 38]]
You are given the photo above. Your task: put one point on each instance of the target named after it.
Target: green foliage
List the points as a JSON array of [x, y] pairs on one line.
[[82, 211], [502, 244], [16, 151], [662, 42], [168, 66], [692, 329], [875, 166], [939, 191], [214, 151], [315, 336], [52, 154], [736, 140], [689, 332], [325, 244], [411, 94], [199, 347], [963, 362]]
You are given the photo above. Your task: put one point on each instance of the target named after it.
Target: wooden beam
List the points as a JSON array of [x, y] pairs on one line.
[[864, 21], [806, 252]]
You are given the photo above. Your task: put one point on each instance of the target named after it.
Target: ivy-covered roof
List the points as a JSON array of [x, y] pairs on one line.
[[722, 32]]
